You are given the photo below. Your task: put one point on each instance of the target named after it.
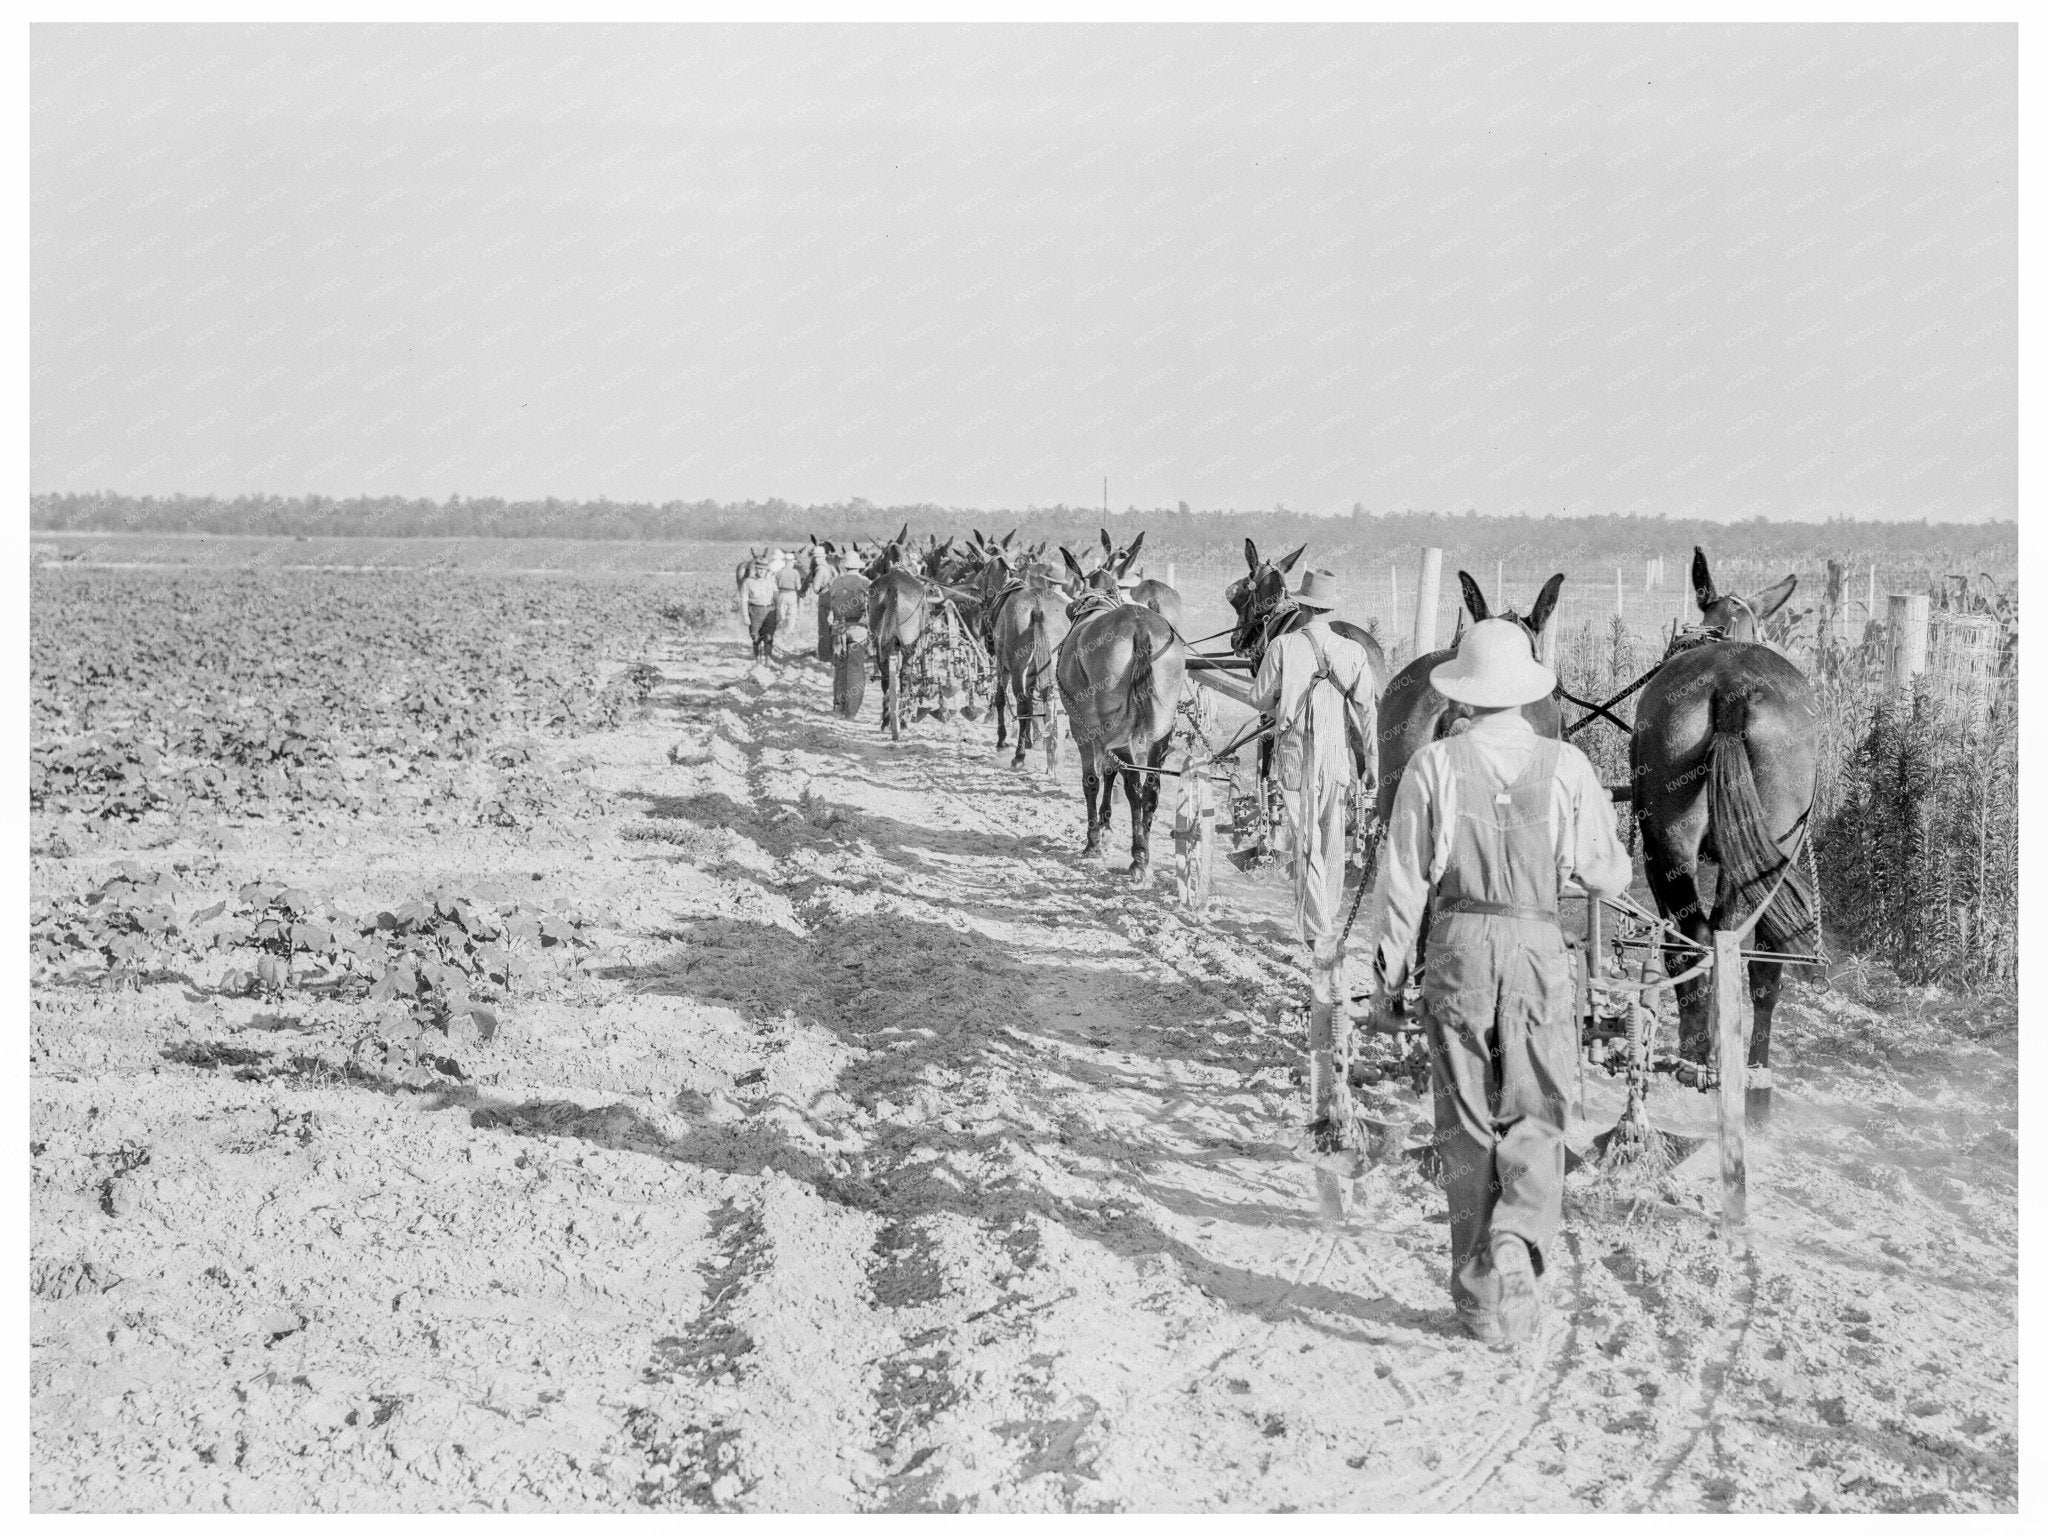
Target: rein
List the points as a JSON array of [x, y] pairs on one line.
[[1685, 640]]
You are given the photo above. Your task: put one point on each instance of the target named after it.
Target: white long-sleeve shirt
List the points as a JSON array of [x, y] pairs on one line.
[[1285, 674], [1417, 849]]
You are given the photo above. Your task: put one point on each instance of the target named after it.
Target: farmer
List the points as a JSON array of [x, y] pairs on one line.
[[787, 579], [758, 593], [1318, 686], [1486, 828]]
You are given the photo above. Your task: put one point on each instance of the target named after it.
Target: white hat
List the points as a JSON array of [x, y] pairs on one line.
[[1494, 668], [1318, 590]]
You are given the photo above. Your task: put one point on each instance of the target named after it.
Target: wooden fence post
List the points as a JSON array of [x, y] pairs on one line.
[[1194, 833], [1427, 585], [1731, 1040], [1906, 621]]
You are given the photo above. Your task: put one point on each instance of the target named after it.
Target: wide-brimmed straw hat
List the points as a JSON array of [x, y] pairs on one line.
[[1318, 590], [1494, 668]]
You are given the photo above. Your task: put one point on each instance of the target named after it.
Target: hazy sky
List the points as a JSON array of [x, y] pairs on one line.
[[1711, 271]]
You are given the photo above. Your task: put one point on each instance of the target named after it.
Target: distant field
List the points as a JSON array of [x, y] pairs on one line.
[[1377, 585], [579, 557]]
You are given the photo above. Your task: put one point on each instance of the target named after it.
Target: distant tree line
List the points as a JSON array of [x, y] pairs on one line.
[[1364, 535]]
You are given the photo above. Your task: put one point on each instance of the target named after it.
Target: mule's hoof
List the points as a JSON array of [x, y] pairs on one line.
[[1141, 875]]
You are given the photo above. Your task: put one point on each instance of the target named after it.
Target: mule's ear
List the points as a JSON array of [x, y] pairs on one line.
[[905, 534], [1108, 545], [1286, 564], [1130, 554], [1073, 566], [1771, 599], [1251, 555], [1546, 603], [1703, 591], [1475, 600]]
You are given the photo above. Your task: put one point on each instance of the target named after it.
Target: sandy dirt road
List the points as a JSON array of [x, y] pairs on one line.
[[883, 1155]]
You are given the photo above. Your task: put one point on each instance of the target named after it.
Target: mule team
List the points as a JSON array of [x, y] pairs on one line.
[[1487, 814]]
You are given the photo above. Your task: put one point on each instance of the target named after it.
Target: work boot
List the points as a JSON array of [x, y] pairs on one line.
[[1521, 1304], [1483, 1323]]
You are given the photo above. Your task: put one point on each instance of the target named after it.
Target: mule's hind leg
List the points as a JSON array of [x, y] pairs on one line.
[[1764, 979], [1670, 866], [1134, 799], [1144, 799], [1025, 721], [1091, 774], [1002, 709], [1107, 773]]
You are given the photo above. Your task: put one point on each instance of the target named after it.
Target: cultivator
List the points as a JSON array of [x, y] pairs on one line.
[[949, 672]]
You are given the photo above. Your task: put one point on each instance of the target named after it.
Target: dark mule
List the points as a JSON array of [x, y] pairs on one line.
[[1413, 713], [1722, 758], [1120, 672], [896, 622]]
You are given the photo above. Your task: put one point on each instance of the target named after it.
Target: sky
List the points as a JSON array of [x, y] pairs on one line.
[[1723, 271]]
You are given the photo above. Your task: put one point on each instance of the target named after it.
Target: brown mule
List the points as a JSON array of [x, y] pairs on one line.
[[1156, 595], [1723, 758], [897, 618], [1413, 713], [1120, 673], [1029, 627]]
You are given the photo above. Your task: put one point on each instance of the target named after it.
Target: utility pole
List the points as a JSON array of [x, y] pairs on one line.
[[1105, 495]]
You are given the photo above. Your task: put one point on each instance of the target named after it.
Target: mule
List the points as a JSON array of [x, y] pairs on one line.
[[897, 618], [1413, 714], [1028, 627], [1723, 759], [1147, 593], [1120, 672]]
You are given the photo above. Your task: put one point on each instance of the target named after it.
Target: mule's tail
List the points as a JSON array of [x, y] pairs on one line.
[[1040, 654], [1146, 721], [1750, 858]]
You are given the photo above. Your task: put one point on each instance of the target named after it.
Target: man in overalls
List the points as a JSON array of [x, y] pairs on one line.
[[758, 594], [787, 579], [1488, 825], [1318, 687]]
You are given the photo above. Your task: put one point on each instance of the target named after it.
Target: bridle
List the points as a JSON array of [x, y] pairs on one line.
[[1756, 625]]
